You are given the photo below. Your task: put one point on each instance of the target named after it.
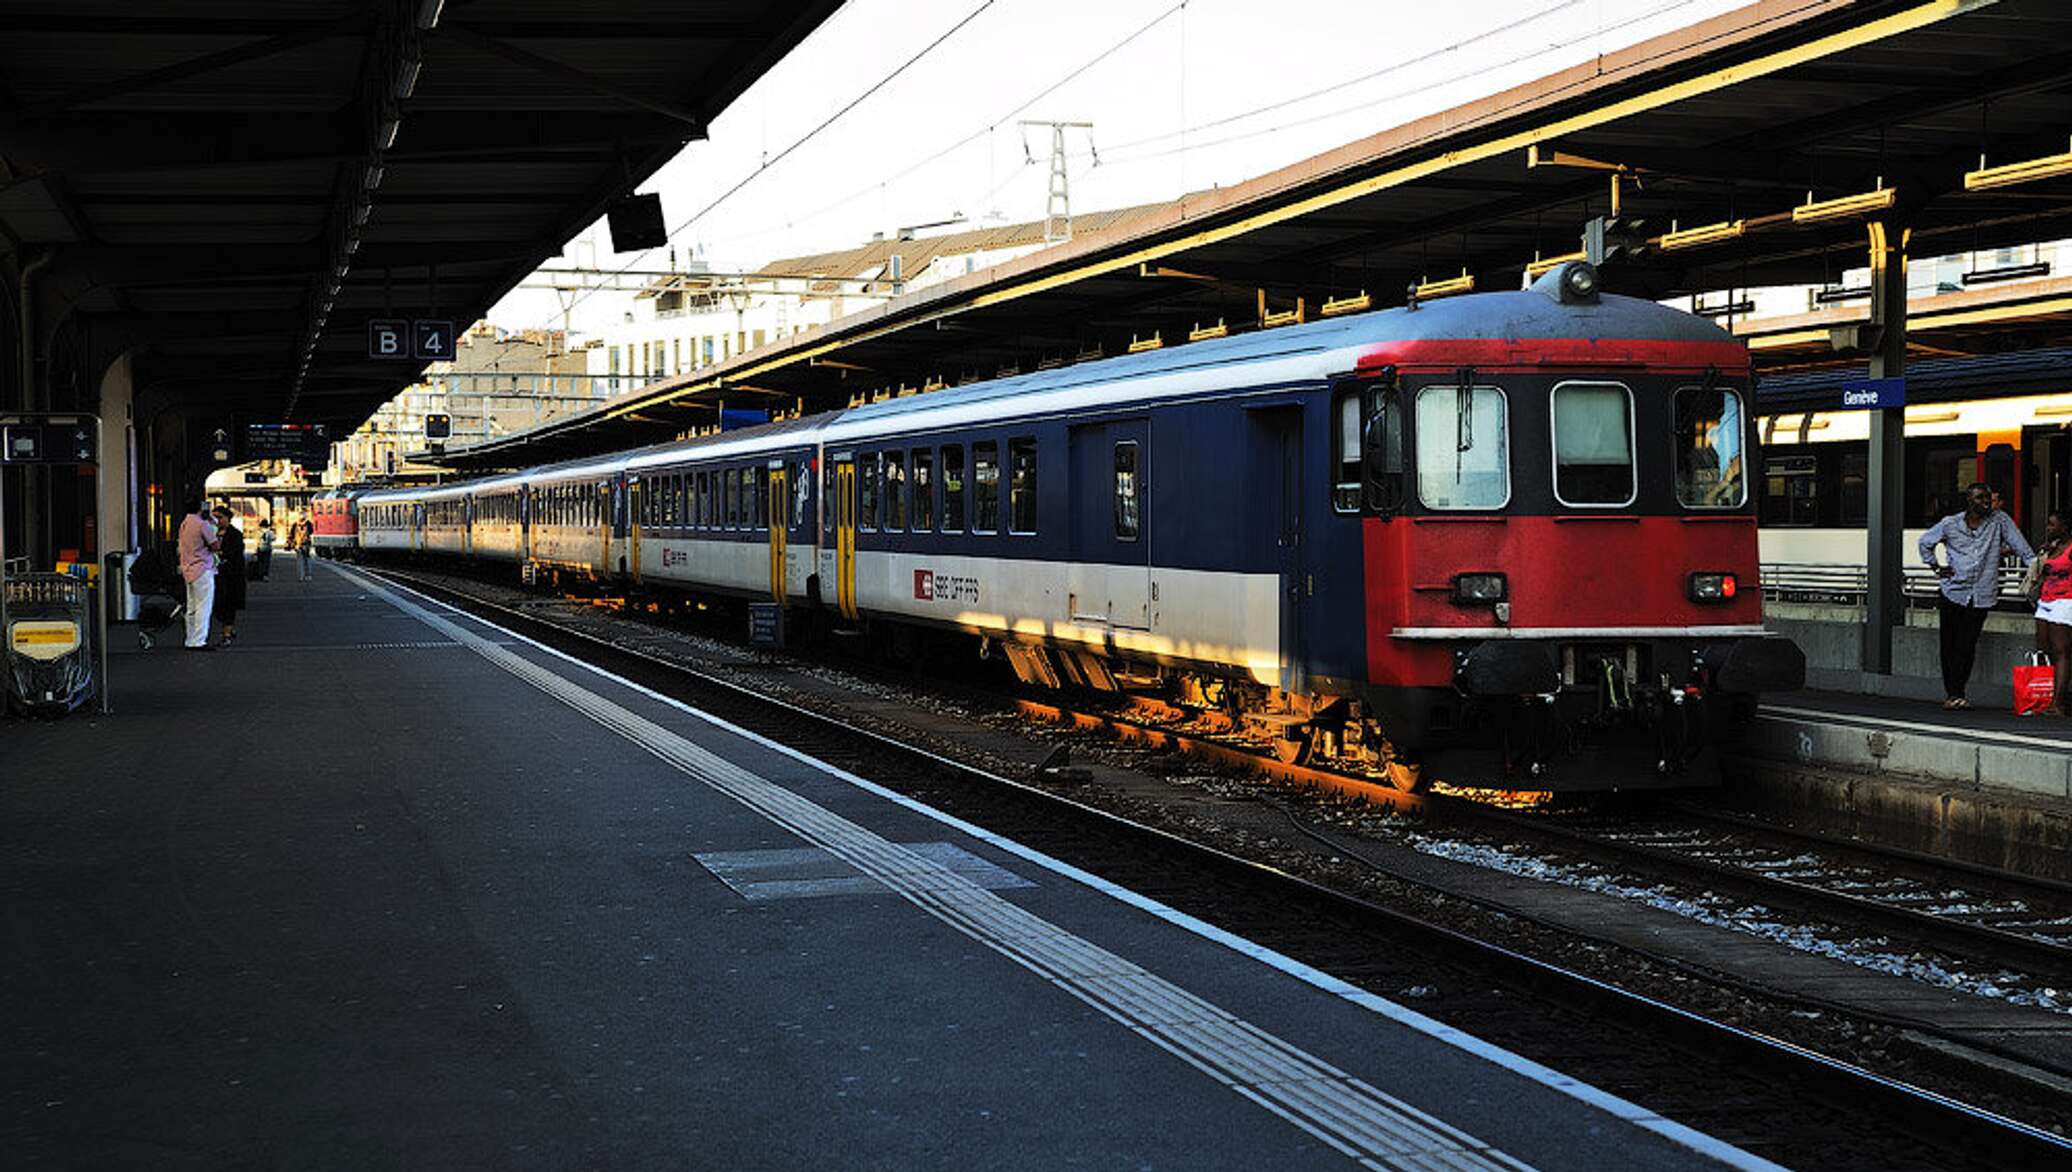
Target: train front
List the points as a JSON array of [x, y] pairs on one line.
[[1560, 541]]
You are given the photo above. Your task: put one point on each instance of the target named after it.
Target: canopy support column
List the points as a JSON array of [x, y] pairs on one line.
[[1884, 600]]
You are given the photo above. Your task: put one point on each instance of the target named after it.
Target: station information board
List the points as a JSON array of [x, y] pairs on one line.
[[304, 443]]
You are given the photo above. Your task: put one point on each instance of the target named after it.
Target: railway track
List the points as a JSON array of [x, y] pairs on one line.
[[1775, 1099], [1994, 918]]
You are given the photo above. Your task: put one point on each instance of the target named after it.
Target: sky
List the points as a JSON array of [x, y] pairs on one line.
[[925, 98]]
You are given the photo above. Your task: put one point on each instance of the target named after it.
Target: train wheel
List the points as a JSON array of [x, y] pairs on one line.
[[1293, 750], [1404, 776]]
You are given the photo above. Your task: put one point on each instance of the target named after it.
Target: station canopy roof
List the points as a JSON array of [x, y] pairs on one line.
[[227, 188], [1735, 121]]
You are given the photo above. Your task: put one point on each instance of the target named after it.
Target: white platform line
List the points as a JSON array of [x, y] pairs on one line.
[[1688, 1138], [1983, 735]]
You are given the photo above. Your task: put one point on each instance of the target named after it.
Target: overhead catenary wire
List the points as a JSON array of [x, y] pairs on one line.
[[878, 186], [1119, 153], [807, 137]]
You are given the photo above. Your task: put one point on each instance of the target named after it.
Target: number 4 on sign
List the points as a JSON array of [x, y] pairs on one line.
[[434, 339]]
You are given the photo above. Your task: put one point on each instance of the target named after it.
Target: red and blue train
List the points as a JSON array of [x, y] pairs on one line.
[[1506, 538]]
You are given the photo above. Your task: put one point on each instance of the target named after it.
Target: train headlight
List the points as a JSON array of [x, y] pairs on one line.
[[1480, 589], [1711, 587]]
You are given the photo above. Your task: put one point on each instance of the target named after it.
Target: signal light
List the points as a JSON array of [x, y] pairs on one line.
[[1713, 587]]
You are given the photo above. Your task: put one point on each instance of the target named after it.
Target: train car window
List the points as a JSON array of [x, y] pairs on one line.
[[1791, 492], [759, 516], [1345, 438], [985, 488], [1593, 445], [1463, 447], [1856, 485], [867, 490], [1021, 486], [1711, 435], [895, 491], [731, 493], [952, 488], [1129, 515], [924, 490]]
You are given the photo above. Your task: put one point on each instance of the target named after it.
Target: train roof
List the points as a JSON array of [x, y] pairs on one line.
[[1290, 355]]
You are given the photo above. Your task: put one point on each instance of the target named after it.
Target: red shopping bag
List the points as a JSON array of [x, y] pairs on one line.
[[2034, 686]]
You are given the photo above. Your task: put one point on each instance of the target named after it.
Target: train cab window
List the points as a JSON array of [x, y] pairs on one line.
[[952, 488], [1463, 447], [1021, 486], [1129, 508], [1711, 433], [985, 488], [867, 491], [895, 491], [1593, 445], [1345, 480], [924, 490]]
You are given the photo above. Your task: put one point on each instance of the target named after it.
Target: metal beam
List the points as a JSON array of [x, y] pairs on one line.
[[136, 24], [354, 24], [472, 35], [92, 142]]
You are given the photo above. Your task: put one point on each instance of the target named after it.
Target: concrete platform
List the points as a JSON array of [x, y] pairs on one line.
[[1982, 786], [380, 885]]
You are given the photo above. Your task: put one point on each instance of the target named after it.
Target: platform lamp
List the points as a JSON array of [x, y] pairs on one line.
[[2008, 174]]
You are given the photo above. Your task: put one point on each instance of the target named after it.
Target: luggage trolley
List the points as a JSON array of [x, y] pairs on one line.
[[50, 643]]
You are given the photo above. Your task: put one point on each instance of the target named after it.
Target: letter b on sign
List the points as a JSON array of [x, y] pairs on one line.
[[388, 339]]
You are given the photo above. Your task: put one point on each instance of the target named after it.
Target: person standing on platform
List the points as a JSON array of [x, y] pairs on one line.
[[1973, 541], [2054, 604], [230, 578], [198, 546], [302, 538], [262, 562]]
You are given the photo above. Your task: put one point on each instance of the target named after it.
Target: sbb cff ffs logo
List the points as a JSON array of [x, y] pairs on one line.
[[924, 585]]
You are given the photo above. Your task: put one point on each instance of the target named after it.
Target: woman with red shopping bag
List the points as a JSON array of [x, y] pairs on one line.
[[2053, 608]]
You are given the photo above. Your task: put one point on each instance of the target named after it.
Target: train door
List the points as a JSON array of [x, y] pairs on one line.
[[611, 516], [845, 535], [635, 501], [525, 524], [2049, 451], [779, 497], [1275, 479], [1109, 580]]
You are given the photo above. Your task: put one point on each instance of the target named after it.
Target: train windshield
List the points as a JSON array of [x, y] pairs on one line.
[[1593, 445], [1463, 448], [1711, 469]]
